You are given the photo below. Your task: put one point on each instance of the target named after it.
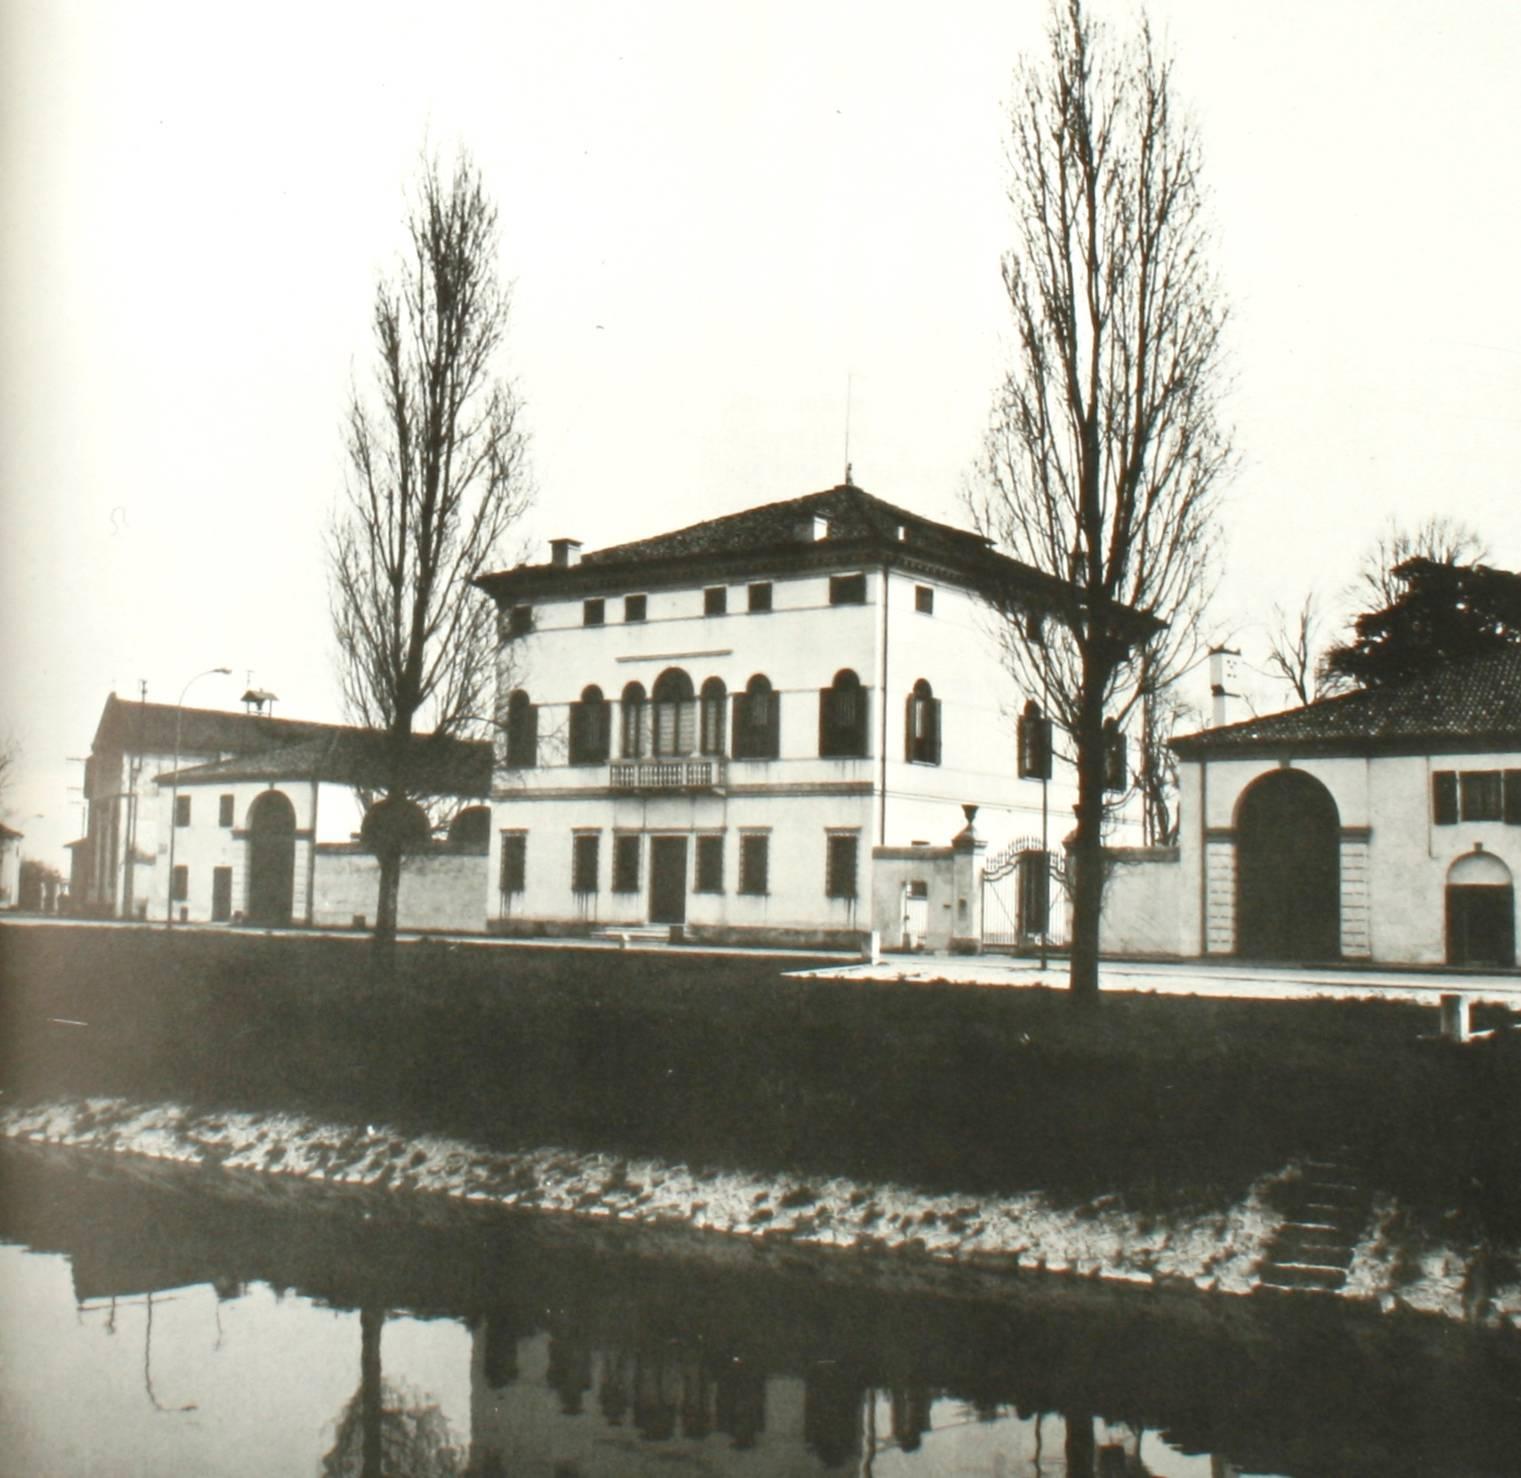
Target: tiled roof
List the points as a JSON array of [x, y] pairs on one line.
[[862, 528], [1478, 700], [853, 514], [345, 756], [149, 728]]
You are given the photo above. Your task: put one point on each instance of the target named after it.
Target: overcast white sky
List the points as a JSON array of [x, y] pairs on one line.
[[713, 215]]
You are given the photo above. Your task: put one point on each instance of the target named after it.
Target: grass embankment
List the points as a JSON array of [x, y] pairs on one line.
[[721, 1061]]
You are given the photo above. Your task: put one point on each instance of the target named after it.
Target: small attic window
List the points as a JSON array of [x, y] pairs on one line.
[[520, 621]]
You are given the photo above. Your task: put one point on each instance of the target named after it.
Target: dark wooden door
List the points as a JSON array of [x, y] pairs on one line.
[[1481, 925], [271, 859], [668, 880], [1288, 870], [221, 894]]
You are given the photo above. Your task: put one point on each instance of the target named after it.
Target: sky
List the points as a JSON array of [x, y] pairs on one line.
[[732, 231]]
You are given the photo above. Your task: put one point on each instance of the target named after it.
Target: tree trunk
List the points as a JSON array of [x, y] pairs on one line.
[[1088, 845], [383, 945], [1081, 1450], [371, 1322]]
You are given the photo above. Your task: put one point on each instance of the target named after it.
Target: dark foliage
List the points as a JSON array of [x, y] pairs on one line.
[[1446, 613]]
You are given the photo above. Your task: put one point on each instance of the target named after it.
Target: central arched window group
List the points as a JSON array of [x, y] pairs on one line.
[[674, 720]]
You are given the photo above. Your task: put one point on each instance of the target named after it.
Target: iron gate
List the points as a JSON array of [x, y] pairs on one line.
[[1024, 894]]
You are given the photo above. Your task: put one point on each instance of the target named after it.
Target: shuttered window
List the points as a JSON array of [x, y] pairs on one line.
[[585, 853], [514, 877], [840, 865], [754, 862], [625, 864]]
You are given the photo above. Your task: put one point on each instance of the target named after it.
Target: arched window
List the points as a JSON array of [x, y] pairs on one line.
[[842, 717], [757, 721], [675, 725], [715, 703], [590, 728], [921, 743], [631, 743], [522, 732]]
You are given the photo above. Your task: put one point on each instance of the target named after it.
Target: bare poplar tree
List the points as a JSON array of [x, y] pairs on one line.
[[1105, 446], [437, 478]]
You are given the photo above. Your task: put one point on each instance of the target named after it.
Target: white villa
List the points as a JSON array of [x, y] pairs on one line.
[[766, 726]]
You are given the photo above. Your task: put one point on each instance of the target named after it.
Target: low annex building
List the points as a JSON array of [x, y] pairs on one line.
[[748, 727], [1382, 825], [262, 812]]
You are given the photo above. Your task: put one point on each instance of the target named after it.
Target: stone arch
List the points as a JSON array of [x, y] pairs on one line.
[[271, 859], [1288, 869], [1481, 911]]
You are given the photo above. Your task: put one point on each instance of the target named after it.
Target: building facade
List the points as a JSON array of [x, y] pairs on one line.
[[721, 728], [258, 824], [1381, 826]]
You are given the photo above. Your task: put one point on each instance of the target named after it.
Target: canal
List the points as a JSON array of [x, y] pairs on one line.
[[165, 1320]]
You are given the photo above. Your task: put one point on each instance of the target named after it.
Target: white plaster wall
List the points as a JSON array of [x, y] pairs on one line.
[[797, 824], [1143, 912], [893, 869], [439, 890], [955, 650]]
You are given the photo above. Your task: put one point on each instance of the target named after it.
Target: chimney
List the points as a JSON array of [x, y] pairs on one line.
[[564, 554], [812, 527], [1224, 684]]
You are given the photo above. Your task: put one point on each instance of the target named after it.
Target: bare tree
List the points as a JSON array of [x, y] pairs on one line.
[[1442, 539], [1297, 650], [10, 763], [438, 477], [1105, 447]]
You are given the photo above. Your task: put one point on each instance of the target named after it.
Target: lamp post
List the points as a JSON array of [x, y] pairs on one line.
[[174, 789]]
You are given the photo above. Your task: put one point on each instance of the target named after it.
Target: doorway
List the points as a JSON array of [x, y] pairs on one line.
[[1481, 912], [271, 860], [1288, 870], [221, 894], [668, 880]]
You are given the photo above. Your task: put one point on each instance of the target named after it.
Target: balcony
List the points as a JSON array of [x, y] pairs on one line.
[[668, 775]]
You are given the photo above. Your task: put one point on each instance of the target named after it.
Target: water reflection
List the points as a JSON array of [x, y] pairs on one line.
[[171, 1328]]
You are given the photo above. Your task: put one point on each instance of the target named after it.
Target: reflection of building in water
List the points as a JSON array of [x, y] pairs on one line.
[[553, 1401], [549, 1397]]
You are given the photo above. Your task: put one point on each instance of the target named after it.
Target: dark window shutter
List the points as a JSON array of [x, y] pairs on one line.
[[1444, 797], [1116, 760], [935, 730], [1513, 797], [773, 725], [908, 730], [826, 721]]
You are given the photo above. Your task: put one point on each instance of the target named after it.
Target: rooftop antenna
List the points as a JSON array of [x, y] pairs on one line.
[[848, 379]]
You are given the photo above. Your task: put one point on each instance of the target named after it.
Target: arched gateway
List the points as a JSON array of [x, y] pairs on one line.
[[1288, 870], [271, 859]]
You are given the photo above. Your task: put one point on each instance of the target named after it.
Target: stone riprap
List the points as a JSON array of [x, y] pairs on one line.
[[1221, 1252]]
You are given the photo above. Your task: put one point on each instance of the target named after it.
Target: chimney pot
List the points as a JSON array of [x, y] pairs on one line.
[[564, 554]]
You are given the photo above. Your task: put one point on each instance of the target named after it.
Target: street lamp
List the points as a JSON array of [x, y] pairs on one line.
[[174, 789]]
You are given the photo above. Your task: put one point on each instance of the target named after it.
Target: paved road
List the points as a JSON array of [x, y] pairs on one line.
[[1180, 978], [1201, 978]]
